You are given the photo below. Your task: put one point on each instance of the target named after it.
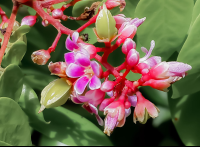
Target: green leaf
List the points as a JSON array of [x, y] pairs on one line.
[[36, 79], [71, 128], [167, 23], [15, 54], [11, 82], [185, 116], [190, 54], [196, 12], [45, 141], [30, 104], [19, 33], [14, 127]]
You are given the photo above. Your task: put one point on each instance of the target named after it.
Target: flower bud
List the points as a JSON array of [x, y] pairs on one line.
[[55, 94], [57, 13], [107, 86], [58, 68], [29, 20], [40, 57], [133, 58], [105, 26], [128, 45], [110, 4]]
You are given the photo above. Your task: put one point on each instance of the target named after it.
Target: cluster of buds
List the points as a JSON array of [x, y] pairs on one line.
[[80, 74]]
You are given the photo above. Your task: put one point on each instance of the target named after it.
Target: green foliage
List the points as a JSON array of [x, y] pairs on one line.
[[185, 116], [189, 54], [11, 82], [14, 127], [166, 22]]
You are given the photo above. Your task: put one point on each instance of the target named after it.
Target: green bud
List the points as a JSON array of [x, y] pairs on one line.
[[105, 26], [55, 94]]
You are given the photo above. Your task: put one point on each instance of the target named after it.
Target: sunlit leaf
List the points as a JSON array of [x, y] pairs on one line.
[[14, 127]]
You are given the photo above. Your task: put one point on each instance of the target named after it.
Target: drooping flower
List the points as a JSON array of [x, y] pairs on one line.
[[58, 69], [144, 109], [91, 100], [88, 74], [110, 4], [40, 57]]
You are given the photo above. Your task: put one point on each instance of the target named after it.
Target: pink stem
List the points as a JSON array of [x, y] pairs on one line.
[[53, 47]]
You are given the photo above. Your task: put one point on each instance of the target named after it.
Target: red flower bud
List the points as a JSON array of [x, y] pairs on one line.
[[57, 13]]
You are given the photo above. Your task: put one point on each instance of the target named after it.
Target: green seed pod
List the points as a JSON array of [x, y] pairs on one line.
[[105, 26], [55, 94]]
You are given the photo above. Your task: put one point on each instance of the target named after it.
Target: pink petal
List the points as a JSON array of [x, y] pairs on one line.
[[95, 111], [153, 61], [75, 71], [110, 124], [95, 97], [81, 84], [95, 67], [70, 45], [105, 103], [69, 58], [95, 83], [82, 59], [75, 36], [151, 109], [86, 107], [76, 100], [133, 58], [178, 68], [139, 22], [110, 93], [128, 45]]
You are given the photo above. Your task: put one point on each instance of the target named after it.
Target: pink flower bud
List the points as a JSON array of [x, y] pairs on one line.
[[57, 13], [40, 57], [45, 23], [90, 48], [110, 4], [107, 86], [133, 58], [144, 109], [58, 68], [128, 45], [29, 20]]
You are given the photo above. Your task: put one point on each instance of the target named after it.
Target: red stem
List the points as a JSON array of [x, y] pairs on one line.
[[48, 3], [53, 47], [9, 29]]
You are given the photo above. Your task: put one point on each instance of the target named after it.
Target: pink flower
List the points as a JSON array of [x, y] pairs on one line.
[[81, 53], [120, 19], [144, 109], [110, 4], [88, 74], [128, 29], [133, 58], [29, 20], [91, 100], [128, 45]]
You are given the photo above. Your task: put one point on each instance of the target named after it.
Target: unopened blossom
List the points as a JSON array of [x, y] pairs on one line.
[[128, 45], [29, 20], [90, 102], [86, 75], [105, 29], [132, 58], [144, 109], [57, 13], [58, 68], [120, 19], [107, 86], [40, 57], [110, 4]]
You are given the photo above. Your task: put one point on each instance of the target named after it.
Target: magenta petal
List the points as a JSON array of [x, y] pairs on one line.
[[69, 58], [82, 59], [133, 100], [83, 99], [75, 71], [95, 83], [76, 100], [81, 84], [95, 67], [86, 107], [110, 93], [70, 45], [75, 37], [95, 111]]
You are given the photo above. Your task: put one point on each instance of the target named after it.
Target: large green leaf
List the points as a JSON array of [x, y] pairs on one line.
[[30, 104], [167, 22], [185, 116], [11, 82], [71, 128], [15, 54], [14, 127], [190, 54], [196, 12], [45, 141]]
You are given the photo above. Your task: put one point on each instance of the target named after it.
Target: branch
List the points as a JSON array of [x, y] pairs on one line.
[[9, 29], [48, 3]]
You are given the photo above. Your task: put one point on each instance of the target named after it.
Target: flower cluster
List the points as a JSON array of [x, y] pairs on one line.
[[82, 71]]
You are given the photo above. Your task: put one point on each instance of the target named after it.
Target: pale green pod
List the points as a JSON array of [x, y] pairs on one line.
[[146, 117], [105, 25], [55, 94]]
